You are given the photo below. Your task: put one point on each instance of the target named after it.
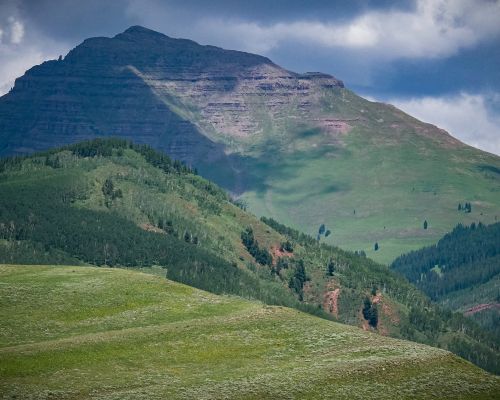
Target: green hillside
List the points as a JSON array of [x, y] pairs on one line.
[[375, 183], [461, 272], [101, 333], [112, 203], [300, 148]]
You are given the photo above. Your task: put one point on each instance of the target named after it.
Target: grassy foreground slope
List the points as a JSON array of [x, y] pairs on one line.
[[84, 332]]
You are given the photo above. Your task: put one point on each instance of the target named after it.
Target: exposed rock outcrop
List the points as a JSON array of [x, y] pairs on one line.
[[147, 86], [173, 94]]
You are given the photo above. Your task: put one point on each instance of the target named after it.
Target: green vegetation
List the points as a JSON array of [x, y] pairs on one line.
[[307, 153], [461, 272], [402, 311], [260, 255], [393, 170], [465, 257], [101, 333], [370, 312], [169, 217]]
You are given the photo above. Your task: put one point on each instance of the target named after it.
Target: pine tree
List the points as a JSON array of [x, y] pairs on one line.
[[287, 246], [367, 304], [330, 269], [373, 318], [376, 246], [108, 188], [298, 279], [370, 312], [321, 229]]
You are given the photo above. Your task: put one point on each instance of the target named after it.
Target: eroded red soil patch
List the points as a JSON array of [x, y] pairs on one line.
[[481, 307], [330, 302], [151, 228], [386, 310], [276, 252]]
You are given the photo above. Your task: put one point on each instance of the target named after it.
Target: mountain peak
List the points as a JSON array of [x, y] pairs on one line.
[[138, 30]]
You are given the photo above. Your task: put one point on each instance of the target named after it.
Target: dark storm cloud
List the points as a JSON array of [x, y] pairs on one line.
[[75, 19], [355, 40]]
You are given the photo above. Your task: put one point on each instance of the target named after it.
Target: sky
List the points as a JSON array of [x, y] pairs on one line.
[[438, 60]]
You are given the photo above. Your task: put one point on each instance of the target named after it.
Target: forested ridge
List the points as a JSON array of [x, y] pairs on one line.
[[467, 256], [111, 202], [461, 272]]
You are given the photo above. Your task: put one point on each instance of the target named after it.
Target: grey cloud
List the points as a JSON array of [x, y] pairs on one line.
[[466, 116]]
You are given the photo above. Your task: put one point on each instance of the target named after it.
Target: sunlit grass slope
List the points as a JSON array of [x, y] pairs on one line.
[[378, 182], [85, 332]]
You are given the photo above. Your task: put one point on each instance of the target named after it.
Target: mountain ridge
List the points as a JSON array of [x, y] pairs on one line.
[[300, 148]]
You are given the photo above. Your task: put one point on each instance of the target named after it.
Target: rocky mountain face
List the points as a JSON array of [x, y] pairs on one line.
[[298, 147], [173, 94]]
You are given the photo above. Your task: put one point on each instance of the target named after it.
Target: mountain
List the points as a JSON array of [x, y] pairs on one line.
[[461, 272], [101, 333], [114, 203], [300, 148]]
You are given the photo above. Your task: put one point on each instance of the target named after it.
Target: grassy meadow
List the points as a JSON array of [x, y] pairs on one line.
[[101, 333]]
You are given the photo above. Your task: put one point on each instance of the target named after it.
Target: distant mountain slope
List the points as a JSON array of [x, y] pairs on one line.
[[104, 333], [462, 271], [297, 147], [110, 202]]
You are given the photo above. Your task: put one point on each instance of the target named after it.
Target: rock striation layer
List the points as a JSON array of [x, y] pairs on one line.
[[173, 94]]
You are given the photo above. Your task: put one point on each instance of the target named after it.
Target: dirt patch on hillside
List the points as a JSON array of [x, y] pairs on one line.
[[276, 253], [387, 311], [330, 302], [152, 228], [377, 298], [481, 307]]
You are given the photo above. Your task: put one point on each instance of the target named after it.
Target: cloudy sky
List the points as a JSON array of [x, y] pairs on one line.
[[439, 60]]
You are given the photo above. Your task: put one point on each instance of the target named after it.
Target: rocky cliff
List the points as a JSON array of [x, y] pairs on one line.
[[171, 93]]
